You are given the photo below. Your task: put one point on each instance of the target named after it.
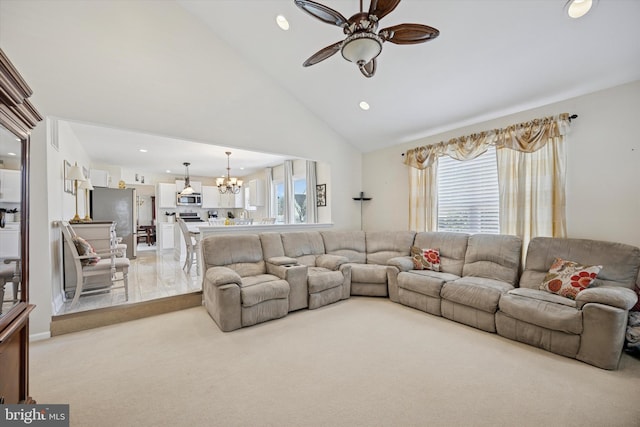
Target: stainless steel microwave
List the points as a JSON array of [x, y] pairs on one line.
[[194, 199]]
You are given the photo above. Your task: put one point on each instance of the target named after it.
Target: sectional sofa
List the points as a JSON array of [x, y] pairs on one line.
[[479, 280]]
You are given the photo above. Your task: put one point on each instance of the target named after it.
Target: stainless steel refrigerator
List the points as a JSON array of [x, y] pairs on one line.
[[112, 204]]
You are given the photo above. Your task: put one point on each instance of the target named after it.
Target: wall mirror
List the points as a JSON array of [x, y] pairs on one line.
[[11, 219]]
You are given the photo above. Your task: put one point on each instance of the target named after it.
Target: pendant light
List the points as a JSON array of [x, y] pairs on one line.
[[187, 185], [229, 185]]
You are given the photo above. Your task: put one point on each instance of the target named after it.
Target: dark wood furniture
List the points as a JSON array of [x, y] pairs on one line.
[[17, 118], [147, 234]]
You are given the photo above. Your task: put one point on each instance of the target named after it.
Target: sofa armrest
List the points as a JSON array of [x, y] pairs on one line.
[[403, 263], [331, 262], [219, 276], [285, 270], [282, 260], [614, 296], [296, 276]]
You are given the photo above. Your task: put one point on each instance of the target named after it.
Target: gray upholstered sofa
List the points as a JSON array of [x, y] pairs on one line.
[[254, 278]]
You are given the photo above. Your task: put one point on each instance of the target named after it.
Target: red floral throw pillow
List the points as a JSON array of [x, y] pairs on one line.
[[568, 278], [637, 306], [425, 259]]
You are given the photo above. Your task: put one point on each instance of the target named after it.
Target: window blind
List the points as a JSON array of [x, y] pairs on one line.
[[468, 195]]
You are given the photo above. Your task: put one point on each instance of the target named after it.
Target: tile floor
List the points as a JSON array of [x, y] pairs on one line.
[[153, 274]]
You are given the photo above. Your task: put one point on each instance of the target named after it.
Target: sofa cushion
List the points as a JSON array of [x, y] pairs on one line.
[[242, 253], [304, 246], [493, 256], [567, 278], [542, 309], [619, 262], [384, 245], [368, 273], [425, 258], [452, 248], [265, 287], [476, 292], [350, 244], [425, 282], [320, 279]]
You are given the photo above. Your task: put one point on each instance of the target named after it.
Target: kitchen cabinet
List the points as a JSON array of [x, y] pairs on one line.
[[166, 195], [100, 178], [9, 186], [211, 198], [196, 185], [256, 192], [10, 241], [166, 236]]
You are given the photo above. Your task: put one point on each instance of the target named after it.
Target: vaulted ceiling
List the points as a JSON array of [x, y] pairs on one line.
[[226, 74], [493, 57]]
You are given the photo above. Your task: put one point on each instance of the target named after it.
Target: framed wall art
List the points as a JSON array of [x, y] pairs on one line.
[[321, 195], [68, 184]]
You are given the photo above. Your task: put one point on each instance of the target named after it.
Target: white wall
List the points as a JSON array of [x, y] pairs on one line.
[[603, 170], [151, 67]]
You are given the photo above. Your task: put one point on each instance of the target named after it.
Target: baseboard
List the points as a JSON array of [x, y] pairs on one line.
[[74, 322], [39, 337]]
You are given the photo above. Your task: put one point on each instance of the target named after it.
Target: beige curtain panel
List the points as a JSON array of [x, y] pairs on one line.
[[531, 176]]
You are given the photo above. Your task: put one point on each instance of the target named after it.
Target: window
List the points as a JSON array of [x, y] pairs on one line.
[[278, 187], [300, 200], [468, 195]]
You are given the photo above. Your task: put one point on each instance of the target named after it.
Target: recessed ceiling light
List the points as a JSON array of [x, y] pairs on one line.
[[578, 8], [142, 150], [11, 154], [364, 105], [282, 22], [168, 171]]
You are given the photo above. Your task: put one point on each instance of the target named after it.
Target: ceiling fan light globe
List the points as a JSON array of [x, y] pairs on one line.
[[578, 8], [361, 48]]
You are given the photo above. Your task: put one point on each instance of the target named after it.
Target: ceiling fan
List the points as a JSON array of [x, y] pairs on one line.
[[363, 45]]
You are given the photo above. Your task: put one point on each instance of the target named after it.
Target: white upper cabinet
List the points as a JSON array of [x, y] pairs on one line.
[[167, 195], [9, 186], [256, 192], [211, 198], [100, 178]]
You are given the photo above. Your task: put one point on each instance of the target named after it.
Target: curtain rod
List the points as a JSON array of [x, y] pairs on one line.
[[571, 117]]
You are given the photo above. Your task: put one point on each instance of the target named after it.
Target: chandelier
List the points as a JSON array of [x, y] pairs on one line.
[[187, 185], [228, 184]]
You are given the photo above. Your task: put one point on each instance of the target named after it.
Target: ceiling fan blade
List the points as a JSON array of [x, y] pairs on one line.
[[381, 8], [322, 54], [408, 33], [369, 69], [322, 12]]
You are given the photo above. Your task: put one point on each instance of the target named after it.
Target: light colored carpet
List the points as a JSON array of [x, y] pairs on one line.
[[360, 362]]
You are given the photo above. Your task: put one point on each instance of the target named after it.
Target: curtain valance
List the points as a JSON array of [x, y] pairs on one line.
[[526, 137]]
